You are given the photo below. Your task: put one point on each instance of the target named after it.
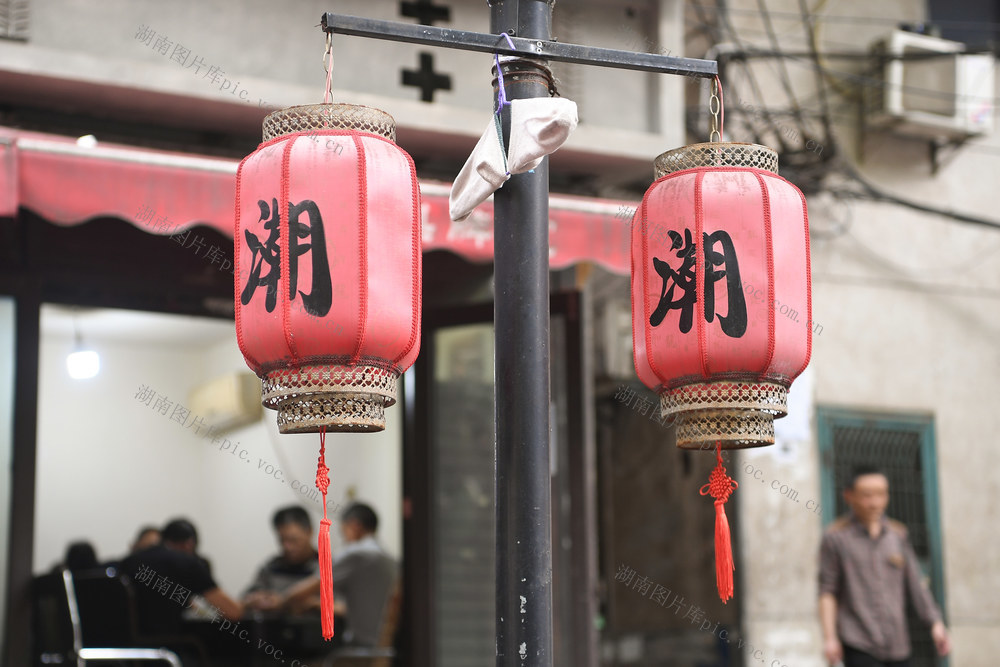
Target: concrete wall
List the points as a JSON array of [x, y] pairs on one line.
[[907, 304], [257, 54]]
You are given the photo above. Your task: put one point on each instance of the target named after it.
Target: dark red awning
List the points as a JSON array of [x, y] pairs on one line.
[[161, 192]]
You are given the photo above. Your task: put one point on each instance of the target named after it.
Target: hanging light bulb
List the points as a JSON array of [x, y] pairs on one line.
[[82, 364]]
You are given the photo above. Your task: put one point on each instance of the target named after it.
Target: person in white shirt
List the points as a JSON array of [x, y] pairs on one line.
[[364, 577]]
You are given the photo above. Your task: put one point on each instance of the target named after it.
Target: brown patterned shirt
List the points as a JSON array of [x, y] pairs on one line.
[[870, 578]]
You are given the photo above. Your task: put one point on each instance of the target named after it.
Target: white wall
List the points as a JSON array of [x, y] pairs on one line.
[[256, 52], [108, 463], [366, 467]]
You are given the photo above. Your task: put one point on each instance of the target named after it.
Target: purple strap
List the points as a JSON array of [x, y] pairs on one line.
[[501, 93]]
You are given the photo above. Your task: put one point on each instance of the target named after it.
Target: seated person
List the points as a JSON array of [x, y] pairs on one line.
[[80, 556], [147, 536], [363, 578], [298, 560], [167, 575]]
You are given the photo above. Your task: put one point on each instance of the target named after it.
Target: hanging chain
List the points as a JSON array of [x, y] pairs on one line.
[[714, 105], [328, 66]]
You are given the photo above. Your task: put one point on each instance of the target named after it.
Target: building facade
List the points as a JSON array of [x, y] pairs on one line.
[[904, 353]]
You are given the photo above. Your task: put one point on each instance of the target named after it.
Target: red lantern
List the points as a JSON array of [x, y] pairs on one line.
[[721, 306], [328, 266], [328, 276]]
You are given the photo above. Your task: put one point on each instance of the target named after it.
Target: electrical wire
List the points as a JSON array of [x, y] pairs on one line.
[[713, 31], [785, 79], [840, 227], [872, 193], [951, 270], [864, 55], [751, 52], [750, 32], [875, 82], [914, 285], [780, 131], [751, 77], [981, 26], [868, 190], [711, 28], [810, 28]]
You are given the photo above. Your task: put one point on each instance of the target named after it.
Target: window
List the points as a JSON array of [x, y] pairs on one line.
[[14, 19], [971, 21]]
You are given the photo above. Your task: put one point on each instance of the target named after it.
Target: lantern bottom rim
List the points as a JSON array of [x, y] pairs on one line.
[[337, 398], [731, 413], [729, 429]]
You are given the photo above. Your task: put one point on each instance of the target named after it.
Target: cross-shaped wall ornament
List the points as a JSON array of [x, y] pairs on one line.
[[426, 78], [425, 11]]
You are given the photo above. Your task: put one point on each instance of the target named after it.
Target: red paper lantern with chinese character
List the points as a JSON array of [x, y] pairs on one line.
[[328, 276], [721, 306], [328, 264]]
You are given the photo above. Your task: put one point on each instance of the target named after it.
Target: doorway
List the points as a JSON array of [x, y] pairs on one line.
[[449, 474]]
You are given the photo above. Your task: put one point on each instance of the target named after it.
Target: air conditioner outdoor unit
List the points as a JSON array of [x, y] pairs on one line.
[[227, 402], [927, 88]]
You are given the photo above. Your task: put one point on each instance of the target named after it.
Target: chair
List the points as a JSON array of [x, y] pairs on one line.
[[53, 621], [380, 655]]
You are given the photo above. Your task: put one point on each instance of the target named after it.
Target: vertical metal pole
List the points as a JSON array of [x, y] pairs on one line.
[[17, 635], [521, 314]]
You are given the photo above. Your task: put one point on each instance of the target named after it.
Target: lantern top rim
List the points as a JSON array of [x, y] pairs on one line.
[[317, 117], [716, 154]]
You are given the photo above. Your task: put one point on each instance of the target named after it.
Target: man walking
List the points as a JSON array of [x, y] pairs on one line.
[[867, 569]]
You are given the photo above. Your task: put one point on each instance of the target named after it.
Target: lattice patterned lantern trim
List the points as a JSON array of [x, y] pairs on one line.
[[721, 306], [328, 264]]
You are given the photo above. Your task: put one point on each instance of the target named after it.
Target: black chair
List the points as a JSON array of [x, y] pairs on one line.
[[67, 632], [53, 629]]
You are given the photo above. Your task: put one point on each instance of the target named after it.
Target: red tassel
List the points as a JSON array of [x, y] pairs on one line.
[[325, 559], [720, 486], [325, 578], [724, 565]]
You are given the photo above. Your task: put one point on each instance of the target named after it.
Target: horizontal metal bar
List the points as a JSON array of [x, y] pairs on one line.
[[527, 48]]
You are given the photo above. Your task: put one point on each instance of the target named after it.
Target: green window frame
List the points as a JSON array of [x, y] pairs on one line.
[[892, 438]]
